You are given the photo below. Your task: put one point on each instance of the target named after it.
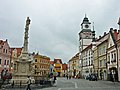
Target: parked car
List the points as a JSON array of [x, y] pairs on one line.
[[92, 77]]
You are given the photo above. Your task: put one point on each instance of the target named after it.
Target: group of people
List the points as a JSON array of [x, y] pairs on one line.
[[52, 76]]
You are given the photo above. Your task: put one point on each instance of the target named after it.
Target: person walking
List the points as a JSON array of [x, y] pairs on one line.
[[28, 83], [67, 76]]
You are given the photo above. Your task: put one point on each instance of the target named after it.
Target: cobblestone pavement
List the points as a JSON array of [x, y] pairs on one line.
[[77, 84]]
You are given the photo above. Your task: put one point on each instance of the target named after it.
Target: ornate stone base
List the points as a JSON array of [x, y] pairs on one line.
[[21, 73], [21, 80]]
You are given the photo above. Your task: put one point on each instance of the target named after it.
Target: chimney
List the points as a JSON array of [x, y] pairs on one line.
[[33, 53], [6, 40], [115, 30], [118, 31], [111, 28], [104, 33], [99, 37], [115, 34]]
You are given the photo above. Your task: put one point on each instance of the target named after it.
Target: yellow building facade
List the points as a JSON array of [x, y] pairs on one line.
[[58, 67], [41, 66]]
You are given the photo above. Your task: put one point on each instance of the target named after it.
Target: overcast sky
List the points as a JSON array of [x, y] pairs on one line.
[[55, 24]]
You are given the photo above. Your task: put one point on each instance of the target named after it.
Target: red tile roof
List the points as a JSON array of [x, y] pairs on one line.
[[18, 50], [57, 60]]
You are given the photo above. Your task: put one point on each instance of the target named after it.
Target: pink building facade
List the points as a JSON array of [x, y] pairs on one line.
[[4, 55]]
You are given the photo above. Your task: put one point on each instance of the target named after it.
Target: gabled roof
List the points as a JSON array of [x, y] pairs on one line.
[[57, 60], [114, 36]]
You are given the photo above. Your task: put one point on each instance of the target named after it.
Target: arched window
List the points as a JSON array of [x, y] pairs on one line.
[[5, 62]]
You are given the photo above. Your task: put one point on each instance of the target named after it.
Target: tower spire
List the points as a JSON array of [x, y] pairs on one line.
[[93, 26], [85, 15], [25, 46], [93, 33]]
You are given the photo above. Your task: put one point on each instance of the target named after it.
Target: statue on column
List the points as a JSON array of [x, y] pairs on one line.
[[25, 47], [27, 23], [24, 61]]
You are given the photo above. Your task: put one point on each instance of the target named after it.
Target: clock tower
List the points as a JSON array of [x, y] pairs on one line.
[[86, 35]]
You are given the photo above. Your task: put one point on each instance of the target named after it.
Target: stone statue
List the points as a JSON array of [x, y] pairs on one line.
[[27, 23], [24, 61]]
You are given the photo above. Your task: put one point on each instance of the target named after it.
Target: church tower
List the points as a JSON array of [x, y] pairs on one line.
[[86, 35]]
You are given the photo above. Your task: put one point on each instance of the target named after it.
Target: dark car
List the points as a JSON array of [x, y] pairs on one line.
[[92, 77]]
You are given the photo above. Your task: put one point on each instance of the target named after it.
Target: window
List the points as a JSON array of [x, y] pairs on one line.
[[15, 66], [100, 63], [35, 72], [91, 62], [104, 62], [89, 53], [6, 50], [5, 62], [104, 49], [99, 51], [109, 58], [0, 60], [87, 37], [35, 60], [35, 66], [115, 57], [3, 50], [112, 56]]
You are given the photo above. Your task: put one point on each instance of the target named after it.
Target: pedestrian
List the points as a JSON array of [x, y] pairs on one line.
[[67, 76], [54, 76], [28, 83], [12, 84]]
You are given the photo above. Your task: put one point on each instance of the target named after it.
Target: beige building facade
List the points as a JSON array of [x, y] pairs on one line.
[[74, 66]]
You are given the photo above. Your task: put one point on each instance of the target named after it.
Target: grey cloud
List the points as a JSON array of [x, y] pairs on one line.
[[54, 24]]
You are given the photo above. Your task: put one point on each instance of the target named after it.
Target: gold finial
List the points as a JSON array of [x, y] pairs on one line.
[[85, 15]]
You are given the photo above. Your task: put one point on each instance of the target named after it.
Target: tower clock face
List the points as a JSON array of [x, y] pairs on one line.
[[86, 26]]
